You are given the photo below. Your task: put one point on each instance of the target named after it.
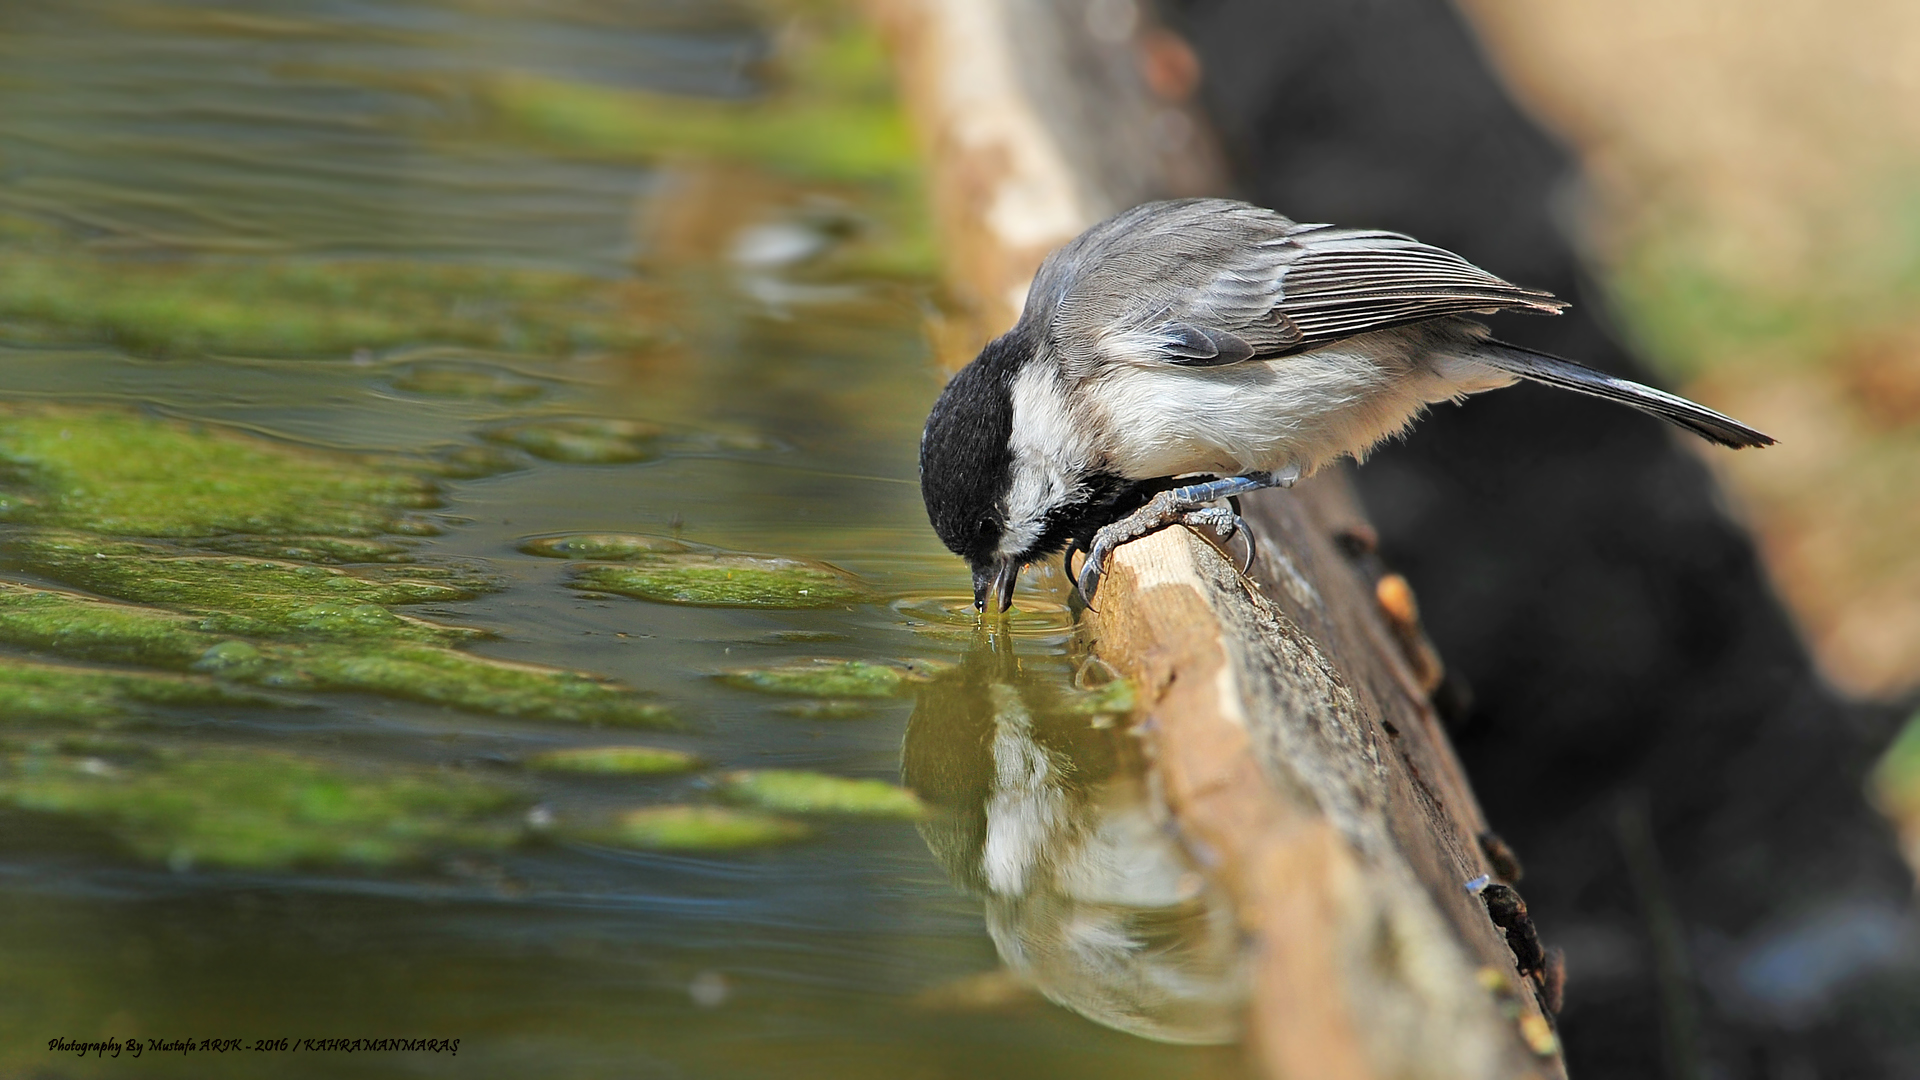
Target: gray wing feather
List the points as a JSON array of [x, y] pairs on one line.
[[1200, 346], [1210, 281], [1351, 281]]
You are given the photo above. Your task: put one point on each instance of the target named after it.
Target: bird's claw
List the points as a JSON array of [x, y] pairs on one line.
[[1227, 524], [1088, 580], [1253, 551], [1240, 526], [1091, 572], [1161, 511]]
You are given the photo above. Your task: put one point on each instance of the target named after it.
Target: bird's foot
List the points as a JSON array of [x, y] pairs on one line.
[[1188, 505]]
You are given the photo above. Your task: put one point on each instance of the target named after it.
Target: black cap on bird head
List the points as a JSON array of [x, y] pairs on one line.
[[966, 467]]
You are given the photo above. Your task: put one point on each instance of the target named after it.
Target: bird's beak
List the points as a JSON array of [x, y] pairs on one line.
[[994, 585]]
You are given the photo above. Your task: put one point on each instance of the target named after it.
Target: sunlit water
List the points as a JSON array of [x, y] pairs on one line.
[[170, 131]]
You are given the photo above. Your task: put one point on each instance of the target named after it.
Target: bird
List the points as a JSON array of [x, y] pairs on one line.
[[1186, 352]]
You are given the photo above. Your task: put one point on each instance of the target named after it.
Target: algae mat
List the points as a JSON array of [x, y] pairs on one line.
[[105, 474]]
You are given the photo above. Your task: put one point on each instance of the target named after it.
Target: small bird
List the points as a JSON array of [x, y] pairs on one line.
[[1181, 353]]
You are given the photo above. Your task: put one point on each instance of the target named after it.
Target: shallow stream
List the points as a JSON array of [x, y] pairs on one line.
[[464, 576]]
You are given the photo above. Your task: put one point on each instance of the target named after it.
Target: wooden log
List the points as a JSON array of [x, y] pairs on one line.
[[1288, 710]]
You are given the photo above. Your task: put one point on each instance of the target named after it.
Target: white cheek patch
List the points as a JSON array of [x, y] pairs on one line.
[[1050, 455]]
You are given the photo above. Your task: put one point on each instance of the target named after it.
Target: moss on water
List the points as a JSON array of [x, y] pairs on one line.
[[1113, 698], [88, 629], [437, 677], [797, 792], [589, 440], [323, 550], [834, 117], [605, 547], [477, 684], [827, 679], [253, 597], [615, 761], [722, 579], [113, 472], [286, 307], [811, 140], [465, 381], [122, 474], [44, 693], [830, 120], [474, 462], [700, 828], [260, 809]]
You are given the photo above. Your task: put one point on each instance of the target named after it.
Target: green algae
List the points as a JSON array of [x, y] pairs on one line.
[[809, 141], [701, 828], [238, 595], [722, 579], [603, 547], [586, 440], [615, 761], [84, 628], [321, 550], [437, 677], [45, 693], [833, 119], [263, 809], [827, 679], [413, 525], [288, 307], [798, 792], [1112, 698], [466, 381], [474, 462], [830, 709], [118, 473]]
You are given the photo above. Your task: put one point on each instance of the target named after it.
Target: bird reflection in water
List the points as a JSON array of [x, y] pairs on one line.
[[1043, 805]]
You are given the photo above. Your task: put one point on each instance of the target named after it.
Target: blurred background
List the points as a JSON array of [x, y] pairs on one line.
[[1677, 669], [1752, 194], [548, 375]]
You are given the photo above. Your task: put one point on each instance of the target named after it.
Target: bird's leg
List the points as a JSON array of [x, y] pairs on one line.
[[1190, 504]]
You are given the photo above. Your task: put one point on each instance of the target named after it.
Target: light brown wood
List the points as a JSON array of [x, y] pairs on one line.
[[1286, 713]]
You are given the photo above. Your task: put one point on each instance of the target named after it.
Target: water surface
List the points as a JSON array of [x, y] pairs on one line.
[[768, 315]]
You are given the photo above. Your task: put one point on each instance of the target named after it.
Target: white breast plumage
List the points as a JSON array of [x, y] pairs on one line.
[[1307, 410]]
